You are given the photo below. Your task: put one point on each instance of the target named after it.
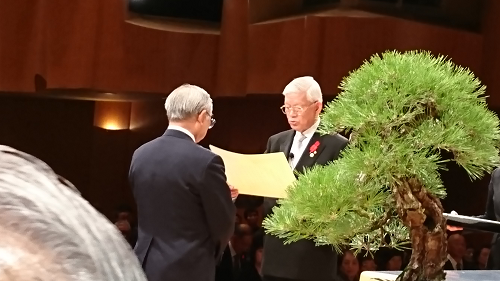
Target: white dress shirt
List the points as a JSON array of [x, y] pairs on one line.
[[454, 263], [234, 257], [179, 128], [300, 141]]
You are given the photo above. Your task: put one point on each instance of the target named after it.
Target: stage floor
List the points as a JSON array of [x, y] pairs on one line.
[[452, 275]]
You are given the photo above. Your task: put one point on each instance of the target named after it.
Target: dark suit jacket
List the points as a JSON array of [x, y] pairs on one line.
[[493, 213], [301, 260], [466, 266], [224, 270], [185, 212], [249, 272]]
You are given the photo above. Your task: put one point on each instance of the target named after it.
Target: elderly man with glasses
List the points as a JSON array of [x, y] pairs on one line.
[[304, 147], [185, 212]]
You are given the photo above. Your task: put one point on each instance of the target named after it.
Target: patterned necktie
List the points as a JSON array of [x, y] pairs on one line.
[[296, 153], [301, 141]]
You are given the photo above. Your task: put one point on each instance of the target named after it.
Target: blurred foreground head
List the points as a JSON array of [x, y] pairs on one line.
[[49, 232]]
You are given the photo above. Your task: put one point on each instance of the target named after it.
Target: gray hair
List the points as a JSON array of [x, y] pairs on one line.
[[187, 101], [49, 232], [307, 85]]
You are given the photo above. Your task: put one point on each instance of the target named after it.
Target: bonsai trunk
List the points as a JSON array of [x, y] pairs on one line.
[[422, 213]]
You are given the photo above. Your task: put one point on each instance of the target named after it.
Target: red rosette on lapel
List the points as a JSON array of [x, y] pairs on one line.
[[313, 149]]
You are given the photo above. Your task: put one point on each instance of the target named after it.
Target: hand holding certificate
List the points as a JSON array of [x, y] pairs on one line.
[[266, 175]]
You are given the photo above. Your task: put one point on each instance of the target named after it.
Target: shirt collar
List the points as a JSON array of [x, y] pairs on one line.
[[179, 128], [231, 249], [309, 132], [453, 261]]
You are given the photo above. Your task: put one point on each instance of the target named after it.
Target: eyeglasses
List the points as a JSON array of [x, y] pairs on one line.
[[297, 109], [212, 122]]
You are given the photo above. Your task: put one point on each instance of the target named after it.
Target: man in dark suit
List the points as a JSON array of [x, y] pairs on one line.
[[185, 212], [233, 259], [493, 213], [304, 147]]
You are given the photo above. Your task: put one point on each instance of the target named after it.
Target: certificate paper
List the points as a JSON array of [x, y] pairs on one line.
[[266, 175]]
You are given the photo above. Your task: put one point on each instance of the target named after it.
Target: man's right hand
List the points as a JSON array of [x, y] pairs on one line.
[[234, 192], [454, 228], [123, 226]]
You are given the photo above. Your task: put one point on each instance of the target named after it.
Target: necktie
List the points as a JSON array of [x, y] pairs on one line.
[[301, 141], [296, 153]]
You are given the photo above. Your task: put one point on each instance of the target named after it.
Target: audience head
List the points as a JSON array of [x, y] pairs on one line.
[[238, 219], [124, 212], [368, 264], [303, 103], [457, 246], [469, 255], [49, 232], [242, 238], [190, 107], [481, 257], [252, 217], [395, 262], [349, 265]]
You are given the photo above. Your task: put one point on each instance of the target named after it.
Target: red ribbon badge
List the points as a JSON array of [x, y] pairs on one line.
[[313, 148]]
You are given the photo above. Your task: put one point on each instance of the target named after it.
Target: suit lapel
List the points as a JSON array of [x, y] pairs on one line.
[[287, 144], [305, 159]]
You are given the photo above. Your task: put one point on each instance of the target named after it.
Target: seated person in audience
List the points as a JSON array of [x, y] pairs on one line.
[[229, 268], [245, 201], [394, 260], [252, 218], [251, 269], [349, 267], [238, 219], [456, 253], [50, 233], [125, 223], [469, 255], [481, 257], [368, 264]]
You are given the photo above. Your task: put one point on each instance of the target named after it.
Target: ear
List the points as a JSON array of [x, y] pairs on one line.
[[201, 116], [319, 107]]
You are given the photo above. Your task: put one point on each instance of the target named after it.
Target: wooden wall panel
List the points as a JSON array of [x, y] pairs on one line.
[[491, 51], [71, 32], [90, 44], [275, 55], [231, 77], [21, 39]]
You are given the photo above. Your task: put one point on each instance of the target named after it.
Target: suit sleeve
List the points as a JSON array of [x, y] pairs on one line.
[[489, 213], [219, 209], [268, 146]]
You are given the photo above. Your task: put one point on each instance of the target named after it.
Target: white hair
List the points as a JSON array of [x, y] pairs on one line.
[[187, 101], [49, 232], [307, 85]]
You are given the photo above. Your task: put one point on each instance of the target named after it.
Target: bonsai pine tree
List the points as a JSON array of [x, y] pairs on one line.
[[407, 115]]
